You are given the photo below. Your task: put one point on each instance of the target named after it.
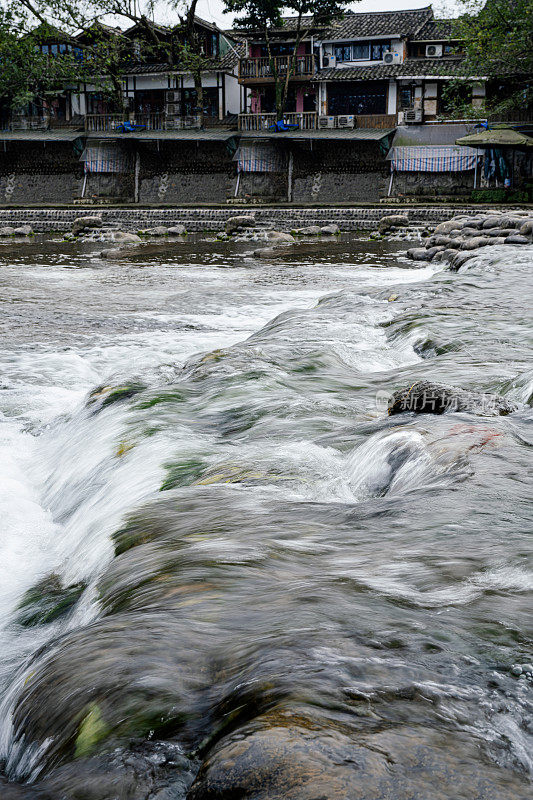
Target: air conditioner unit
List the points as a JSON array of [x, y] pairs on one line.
[[172, 97], [434, 50], [329, 61], [392, 58], [346, 121], [412, 116], [327, 122], [171, 109]]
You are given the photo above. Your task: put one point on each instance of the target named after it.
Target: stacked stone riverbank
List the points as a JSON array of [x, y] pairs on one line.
[[214, 219]]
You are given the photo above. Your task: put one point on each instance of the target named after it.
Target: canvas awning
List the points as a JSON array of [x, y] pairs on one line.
[[496, 138], [432, 159]]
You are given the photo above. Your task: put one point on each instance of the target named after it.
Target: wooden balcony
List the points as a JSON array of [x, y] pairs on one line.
[[107, 123], [262, 70], [308, 121]]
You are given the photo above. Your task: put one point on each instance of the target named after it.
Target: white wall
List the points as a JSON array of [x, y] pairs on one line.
[[233, 94], [392, 101]]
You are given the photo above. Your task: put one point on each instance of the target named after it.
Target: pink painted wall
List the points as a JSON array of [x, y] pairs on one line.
[[255, 103]]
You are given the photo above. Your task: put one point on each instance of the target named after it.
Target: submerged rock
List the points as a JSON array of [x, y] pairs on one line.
[[426, 397], [310, 230], [286, 756], [47, 601], [104, 396], [159, 230]]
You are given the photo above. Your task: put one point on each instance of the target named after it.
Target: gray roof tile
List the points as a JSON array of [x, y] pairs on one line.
[[411, 67]]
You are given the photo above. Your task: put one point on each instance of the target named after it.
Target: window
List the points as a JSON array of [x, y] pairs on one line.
[[343, 52], [361, 51], [406, 97], [54, 49], [378, 49]]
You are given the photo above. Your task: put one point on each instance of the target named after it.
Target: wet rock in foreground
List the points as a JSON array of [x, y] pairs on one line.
[[425, 397], [288, 757]]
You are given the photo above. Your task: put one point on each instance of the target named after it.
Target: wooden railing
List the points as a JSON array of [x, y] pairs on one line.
[[306, 120], [265, 68], [522, 115], [102, 123], [21, 122]]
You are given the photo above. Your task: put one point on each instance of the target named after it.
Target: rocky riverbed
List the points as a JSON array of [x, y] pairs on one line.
[[265, 518]]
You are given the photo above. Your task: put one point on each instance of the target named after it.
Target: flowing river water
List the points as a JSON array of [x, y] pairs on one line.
[[236, 576]]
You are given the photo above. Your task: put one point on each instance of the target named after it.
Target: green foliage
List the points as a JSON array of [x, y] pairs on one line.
[[498, 42], [502, 195], [456, 101]]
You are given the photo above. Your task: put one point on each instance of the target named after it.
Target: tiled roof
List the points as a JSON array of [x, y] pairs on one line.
[[435, 30], [226, 62], [380, 23], [148, 69], [411, 68], [358, 25]]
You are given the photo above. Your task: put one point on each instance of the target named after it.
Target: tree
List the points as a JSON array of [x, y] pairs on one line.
[[265, 16], [28, 75], [110, 56], [497, 38]]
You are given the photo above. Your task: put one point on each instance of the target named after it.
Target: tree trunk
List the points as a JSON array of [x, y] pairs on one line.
[[197, 75]]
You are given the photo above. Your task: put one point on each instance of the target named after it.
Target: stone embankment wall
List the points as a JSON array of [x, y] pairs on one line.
[[37, 172], [185, 172], [335, 171], [180, 173], [201, 219]]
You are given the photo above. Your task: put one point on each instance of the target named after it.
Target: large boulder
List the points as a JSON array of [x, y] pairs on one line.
[[23, 230], [177, 230], [278, 238], [242, 221], [393, 221], [288, 756], [330, 230], [460, 259], [126, 238], [7, 231], [446, 227], [498, 232], [517, 238], [527, 228], [81, 223], [492, 222], [426, 397], [475, 242], [418, 254]]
